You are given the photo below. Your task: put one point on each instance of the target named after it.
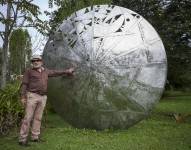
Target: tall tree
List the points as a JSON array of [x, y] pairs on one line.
[[19, 13], [20, 51], [67, 7], [176, 32], [0, 57], [172, 20]]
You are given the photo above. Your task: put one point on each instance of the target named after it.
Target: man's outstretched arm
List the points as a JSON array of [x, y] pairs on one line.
[[55, 73]]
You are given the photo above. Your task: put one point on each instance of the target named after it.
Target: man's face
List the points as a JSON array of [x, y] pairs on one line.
[[37, 63]]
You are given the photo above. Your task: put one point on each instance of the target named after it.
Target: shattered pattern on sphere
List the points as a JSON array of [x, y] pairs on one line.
[[121, 67]]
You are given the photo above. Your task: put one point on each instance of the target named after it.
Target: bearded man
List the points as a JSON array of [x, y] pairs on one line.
[[34, 96]]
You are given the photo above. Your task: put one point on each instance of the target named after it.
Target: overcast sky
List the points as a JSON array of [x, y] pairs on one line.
[[38, 41]]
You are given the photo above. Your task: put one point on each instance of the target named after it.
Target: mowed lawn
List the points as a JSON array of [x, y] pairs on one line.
[[159, 132]]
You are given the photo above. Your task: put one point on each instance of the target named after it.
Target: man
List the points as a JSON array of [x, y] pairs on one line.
[[33, 97]]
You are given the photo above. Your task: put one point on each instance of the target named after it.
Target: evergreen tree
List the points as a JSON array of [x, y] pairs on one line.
[[20, 51]]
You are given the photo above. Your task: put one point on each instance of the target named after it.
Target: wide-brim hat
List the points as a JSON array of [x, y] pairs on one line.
[[36, 57]]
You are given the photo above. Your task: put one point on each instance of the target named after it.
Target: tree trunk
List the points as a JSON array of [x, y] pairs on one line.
[[5, 47], [4, 64]]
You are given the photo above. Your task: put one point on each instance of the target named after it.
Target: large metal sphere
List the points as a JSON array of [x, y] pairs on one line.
[[121, 67]]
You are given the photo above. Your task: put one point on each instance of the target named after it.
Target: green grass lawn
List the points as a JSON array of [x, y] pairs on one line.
[[158, 132]]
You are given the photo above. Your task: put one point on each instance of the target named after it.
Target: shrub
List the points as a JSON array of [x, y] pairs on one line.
[[11, 111]]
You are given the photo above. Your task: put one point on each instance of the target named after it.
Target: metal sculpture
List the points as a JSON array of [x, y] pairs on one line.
[[121, 67]]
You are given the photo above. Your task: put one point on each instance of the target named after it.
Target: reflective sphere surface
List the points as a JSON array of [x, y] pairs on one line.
[[121, 67]]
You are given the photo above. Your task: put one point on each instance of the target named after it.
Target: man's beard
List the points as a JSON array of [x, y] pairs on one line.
[[37, 66]]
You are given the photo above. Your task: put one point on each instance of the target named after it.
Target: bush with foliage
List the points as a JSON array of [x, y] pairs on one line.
[[11, 111]]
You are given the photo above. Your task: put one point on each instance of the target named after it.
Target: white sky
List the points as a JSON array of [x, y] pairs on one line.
[[38, 41]]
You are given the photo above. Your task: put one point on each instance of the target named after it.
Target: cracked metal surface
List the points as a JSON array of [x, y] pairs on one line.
[[121, 67]]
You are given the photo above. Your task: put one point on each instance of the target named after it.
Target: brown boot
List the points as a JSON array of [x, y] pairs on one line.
[[24, 143], [35, 140]]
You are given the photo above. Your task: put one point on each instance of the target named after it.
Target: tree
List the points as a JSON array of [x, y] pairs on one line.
[[0, 59], [67, 7], [176, 32], [19, 13], [172, 20], [20, 51]]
